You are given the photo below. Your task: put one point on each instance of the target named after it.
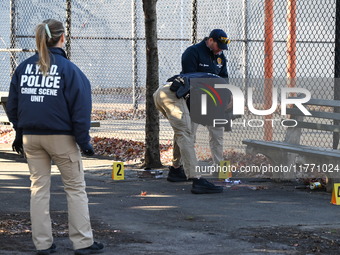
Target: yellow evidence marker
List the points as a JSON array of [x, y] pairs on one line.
[[224, 172], [118, 171], [336, 194]]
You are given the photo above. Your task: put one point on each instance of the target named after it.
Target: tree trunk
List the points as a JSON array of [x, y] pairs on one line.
[[152, 154]]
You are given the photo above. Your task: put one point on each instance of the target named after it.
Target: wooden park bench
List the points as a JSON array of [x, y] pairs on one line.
[[4, 119], [3, 101], [304, 160]]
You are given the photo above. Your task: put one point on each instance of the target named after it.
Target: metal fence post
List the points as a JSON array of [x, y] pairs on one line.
[[194, 22], [245, 49], [291, 43], [337, 69], [68, 29], [135, 88], [13, 55], [268, 64]]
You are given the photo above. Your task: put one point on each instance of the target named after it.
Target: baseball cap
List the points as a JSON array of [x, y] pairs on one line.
[[220, 37]]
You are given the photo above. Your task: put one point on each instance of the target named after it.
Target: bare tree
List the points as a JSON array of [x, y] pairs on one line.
[[152, 154]]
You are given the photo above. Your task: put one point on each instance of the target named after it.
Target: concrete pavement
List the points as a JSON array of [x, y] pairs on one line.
[[168, 219]]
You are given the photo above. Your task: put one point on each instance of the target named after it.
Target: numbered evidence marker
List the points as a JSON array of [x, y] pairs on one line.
[[118, 171], [225, 171], [336, 194]]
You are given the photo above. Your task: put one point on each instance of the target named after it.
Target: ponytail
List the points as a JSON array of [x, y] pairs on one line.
[[47, 35], [44, 61]]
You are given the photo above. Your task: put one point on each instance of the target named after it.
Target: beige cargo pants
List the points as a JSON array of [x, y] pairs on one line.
[[63, 150], [176, 111], [215, 141]]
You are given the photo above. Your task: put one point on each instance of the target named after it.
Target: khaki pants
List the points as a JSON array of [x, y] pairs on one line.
[[215, 141], [176, 111], [63, 150]]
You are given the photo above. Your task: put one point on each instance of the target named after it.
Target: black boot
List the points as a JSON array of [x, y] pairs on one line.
[[50, 250], [93, 249], [202, 186], [176, 174]]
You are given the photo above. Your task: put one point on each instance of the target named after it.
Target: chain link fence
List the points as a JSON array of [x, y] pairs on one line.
[[270, 40]]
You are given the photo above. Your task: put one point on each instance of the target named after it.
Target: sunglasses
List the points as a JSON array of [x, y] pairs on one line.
[[224, 40]]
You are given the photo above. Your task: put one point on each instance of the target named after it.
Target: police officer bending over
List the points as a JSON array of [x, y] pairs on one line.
[[172, 100], [207, 57]]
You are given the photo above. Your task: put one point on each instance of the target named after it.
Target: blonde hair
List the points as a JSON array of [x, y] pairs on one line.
[[47, 34]]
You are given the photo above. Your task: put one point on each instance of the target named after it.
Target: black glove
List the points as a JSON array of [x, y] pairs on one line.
[[87, 149], [17, 144]]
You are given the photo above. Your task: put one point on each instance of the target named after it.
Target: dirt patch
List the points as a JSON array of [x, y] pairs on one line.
[[292, 240], [16, 236]]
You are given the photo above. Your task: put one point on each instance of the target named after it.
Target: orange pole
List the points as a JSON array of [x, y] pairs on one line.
[[291, 43], [268, 65]]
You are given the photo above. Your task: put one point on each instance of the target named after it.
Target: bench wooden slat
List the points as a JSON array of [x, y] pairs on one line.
[[315, 114], [95, 124], [295, 148], [318, 126], [323, 102], [3, 99], [4, 121]]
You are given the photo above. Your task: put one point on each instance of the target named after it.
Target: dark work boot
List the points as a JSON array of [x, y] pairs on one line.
[[93, 249], [176, 174], [50, 250], [202, 186]]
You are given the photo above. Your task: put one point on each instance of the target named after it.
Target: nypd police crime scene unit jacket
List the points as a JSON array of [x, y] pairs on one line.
[[59, 103]]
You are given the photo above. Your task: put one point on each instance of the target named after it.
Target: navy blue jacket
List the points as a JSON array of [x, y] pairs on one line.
[[189, 86], [59, 103], [199, 58], [181, 82]]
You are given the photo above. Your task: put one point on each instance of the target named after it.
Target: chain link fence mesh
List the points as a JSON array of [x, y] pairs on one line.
[[270, 39]]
